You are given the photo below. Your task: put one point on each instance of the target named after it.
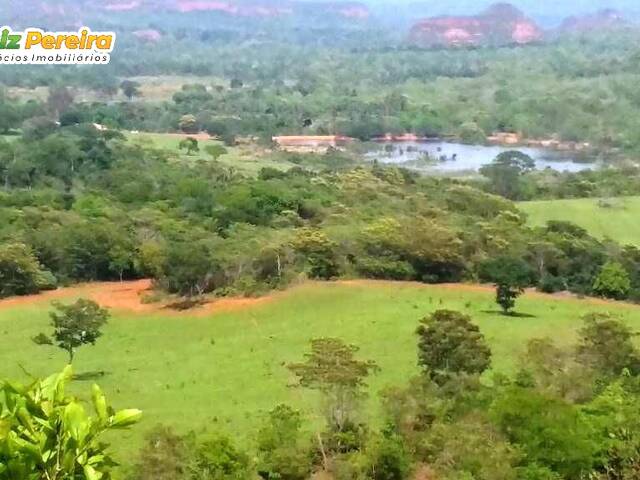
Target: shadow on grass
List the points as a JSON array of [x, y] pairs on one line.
[[89, 376], [510, 314]]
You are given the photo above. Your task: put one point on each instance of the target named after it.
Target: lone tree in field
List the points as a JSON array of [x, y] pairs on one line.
[[449, 344], [130, 89], [332, 369], [189, 144], [215, 151], [188, 124], [511, 276], [75, 325]]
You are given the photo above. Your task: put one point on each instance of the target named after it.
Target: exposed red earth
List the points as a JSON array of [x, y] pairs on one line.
[[500, 24], [127, 297]]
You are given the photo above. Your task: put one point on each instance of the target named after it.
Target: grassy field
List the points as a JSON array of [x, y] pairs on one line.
[[248, 159], [152, 89], [223, 370], [619, 221]]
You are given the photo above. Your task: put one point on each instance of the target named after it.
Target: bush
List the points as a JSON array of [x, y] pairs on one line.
[[217, 458], [612, 282], [385, 268], [552, 284], [449, 343], [280, 451], [163, 457], [388, 458], [20, 271]]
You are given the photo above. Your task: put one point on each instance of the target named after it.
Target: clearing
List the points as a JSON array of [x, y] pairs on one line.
[[244, 158], [615, 218], [223, 366]]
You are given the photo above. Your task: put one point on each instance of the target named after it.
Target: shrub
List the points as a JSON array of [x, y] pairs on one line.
[[612, 282], [20, 271]]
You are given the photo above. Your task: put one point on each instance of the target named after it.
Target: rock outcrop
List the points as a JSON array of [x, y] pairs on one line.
[[500, 24]]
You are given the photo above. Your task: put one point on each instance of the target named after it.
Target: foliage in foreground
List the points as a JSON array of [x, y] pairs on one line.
[[47, 435]]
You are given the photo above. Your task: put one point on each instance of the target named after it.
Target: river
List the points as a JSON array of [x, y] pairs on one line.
[[448, 157]]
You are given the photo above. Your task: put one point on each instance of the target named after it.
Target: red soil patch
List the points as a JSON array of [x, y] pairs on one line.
[[127, 296]]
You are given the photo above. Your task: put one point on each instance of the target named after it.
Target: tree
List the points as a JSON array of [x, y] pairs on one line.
[[59, 100], [9, 117], [121, 259], [218, 458], [189, 144], [470, 447], [188, 124], [505, 173], [75, 325], [7, 155], [280, 452], [189, 268], [318, 251], [215, 151], [389, 458], [551, 432], [332, 369], [449, 343], [20, 271], [164, 456], [606, 345], [555, 370], [130, 89], [48, 435], [510, 275], [613, 281]]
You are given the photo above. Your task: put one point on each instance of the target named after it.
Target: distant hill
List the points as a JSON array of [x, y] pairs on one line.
[[500, 24], [601, 20], [71, 12]]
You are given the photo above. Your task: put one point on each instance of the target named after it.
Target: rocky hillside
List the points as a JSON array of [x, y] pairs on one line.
[[500, 24]]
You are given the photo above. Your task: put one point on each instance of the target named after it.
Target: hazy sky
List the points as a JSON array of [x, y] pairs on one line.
[[550, 11]]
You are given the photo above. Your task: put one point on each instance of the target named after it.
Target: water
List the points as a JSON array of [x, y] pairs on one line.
[[446, 157]]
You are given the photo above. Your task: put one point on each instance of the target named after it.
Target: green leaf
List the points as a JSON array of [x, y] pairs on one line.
[[91, 473], [124, 418], [5, 428], [99, 403], [75, 421], [25, 419]]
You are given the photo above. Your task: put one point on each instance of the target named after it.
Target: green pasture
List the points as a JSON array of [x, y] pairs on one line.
[[223, 371], [616, 218]]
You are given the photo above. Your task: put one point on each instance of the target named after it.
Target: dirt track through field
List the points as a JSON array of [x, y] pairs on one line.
[[128, 296]]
